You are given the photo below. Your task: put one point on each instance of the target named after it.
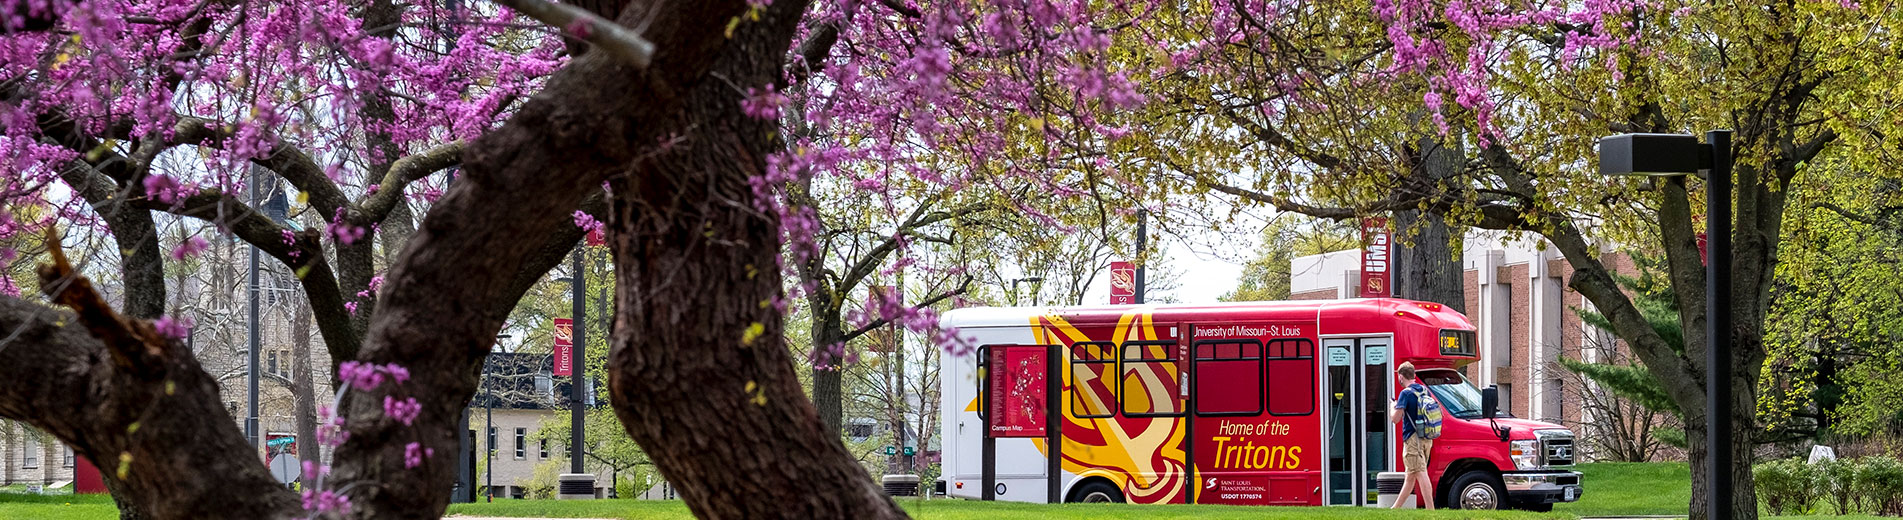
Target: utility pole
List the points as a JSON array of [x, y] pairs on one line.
[[251, 370], [1143, 236]]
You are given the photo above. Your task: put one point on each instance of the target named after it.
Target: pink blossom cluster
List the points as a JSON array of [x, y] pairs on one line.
[[952, 96], [404, 410], [189, 247], [763, 103], [174, 328], [164, 188], [368, 376], [587, 222], [261, 77], [1486, 29], [414, 453]]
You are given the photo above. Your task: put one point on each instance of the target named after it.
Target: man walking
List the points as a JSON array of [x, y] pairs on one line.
[[1419, 416]]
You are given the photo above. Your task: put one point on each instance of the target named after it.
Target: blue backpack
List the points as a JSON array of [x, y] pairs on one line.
[[1428, 423]]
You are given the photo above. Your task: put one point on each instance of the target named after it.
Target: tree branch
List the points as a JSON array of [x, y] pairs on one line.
[[620, 41], [137, 404], [303, 255], [286, 160], [403, 172], [881, 322]]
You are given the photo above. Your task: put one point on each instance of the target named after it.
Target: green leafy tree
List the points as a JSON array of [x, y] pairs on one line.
[[1266, 277]]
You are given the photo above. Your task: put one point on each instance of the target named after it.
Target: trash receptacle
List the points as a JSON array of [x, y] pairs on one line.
[[901, 485], [1389, 485]]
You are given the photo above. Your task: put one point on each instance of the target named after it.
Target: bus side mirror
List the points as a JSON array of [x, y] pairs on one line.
[[1489, 401]]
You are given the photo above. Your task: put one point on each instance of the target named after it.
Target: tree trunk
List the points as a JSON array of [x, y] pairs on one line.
[[520, 183], [1428, 260], [828, 392], [143, 411], [304, 388], [698, 346], [1429, 265]]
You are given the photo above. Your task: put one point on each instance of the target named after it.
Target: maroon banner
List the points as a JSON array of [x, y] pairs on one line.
[[1376, 248], [1123, 283], [597, 237], [564, 347], [1017, 390]]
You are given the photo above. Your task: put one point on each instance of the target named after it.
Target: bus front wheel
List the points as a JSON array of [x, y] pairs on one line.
[[1476, 490], [1097, 492]]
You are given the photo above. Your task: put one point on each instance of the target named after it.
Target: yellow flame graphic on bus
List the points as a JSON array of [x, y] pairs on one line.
[[1143, 455]]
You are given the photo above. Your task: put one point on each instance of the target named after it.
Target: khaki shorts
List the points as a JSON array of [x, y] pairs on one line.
[[1414, 453]]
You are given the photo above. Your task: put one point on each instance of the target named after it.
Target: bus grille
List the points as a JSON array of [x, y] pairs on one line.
[[1558, 447]]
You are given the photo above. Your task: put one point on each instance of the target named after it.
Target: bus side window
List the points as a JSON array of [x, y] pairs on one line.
[[1150, 382], [1228, 377], [1291, 376], [1093, 380]]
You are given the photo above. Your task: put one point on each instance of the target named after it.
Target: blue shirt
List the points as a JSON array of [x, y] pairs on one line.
[[1410, 406]]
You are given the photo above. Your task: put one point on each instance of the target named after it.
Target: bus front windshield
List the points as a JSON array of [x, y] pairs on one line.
[[1457, 397]]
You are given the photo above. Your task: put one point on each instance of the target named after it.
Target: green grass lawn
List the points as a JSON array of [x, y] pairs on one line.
[[1632, 488], [966, 509], [16, 504], [1612, 489], [88, 507]]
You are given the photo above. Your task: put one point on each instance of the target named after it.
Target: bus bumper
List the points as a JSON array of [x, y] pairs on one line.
[[1542, 487]]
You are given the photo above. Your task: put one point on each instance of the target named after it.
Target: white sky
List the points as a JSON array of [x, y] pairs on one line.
[[1209, 261]]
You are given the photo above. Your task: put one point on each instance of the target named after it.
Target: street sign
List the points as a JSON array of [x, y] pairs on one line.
[[890, 450], [910, 450], [286, 468]]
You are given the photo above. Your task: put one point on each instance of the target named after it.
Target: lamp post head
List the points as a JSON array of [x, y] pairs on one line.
[[1663, 155]]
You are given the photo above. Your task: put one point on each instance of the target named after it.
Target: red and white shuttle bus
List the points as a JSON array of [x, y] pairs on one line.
[[1245, 403]]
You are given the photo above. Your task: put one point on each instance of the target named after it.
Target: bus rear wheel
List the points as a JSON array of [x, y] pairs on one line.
[[1097, 492], [1476, 490]]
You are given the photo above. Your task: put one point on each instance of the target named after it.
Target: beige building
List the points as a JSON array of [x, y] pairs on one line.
[[518, 397], [32, 458]]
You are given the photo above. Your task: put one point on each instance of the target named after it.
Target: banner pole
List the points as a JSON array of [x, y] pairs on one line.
[[989, 456], [1054, 423]]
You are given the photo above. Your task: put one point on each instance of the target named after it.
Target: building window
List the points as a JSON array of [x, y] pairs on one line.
[[859, 431], [544, 448], [32, 458], [521, 443], [492, 440], [271, 362], [67, 452], [288, 364]]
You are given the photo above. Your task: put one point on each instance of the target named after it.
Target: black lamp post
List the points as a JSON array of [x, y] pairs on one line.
[[1014, 288], [489, 405], [579, 284], [1676, 155]]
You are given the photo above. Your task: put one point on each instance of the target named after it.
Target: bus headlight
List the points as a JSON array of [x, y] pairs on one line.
[[1525, 454]]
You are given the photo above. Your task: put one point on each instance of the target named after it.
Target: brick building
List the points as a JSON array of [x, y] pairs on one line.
[[1517, 297]]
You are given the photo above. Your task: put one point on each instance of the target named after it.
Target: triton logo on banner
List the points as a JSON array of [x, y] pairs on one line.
[[1123, 283], [1377, 243], [564, 347]]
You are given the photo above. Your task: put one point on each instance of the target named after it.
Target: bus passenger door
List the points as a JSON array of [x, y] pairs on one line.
[[1358, 385]]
